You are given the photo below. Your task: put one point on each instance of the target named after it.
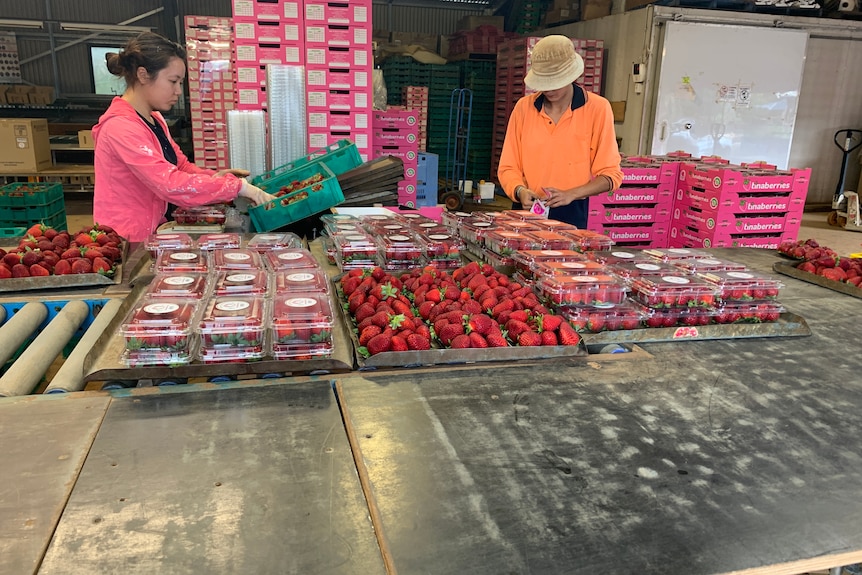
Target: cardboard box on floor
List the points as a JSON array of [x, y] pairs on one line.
[[24, 145]]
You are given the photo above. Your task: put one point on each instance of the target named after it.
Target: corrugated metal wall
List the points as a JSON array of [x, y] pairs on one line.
[[419, 19]]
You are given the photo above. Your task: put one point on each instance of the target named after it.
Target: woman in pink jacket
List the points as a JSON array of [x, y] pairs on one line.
[[139, 168]]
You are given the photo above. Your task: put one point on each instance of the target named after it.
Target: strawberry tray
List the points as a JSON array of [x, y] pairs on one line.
[[788, 268], [445, 356], [54, 282]]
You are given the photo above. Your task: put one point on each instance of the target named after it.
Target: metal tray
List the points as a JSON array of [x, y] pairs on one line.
[[790, 269], [444, 356], [53, 282]]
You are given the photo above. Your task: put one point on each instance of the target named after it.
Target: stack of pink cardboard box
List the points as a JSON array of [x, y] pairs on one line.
[[718, 204], [637, 214], [264, 33], [210, 78], [396, 133], [416, 98]]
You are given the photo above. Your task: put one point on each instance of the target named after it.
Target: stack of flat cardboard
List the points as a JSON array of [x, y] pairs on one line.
[[374, 182]]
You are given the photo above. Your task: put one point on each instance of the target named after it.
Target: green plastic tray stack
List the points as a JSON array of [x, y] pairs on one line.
[[23, 204], [330, 162]]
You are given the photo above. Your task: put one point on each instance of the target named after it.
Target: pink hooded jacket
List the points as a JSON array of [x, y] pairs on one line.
[[134, 181]]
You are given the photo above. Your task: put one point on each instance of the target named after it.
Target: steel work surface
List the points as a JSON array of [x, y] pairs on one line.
[[44, 444], [709, 457], [240, 480]]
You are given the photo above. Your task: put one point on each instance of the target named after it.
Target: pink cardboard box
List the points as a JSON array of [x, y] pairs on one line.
[[345, 12], [346, 120], [338, 100], [654, 233], [252, 10], [660, 195], [733, 202], [390, 137], [683, 237], [274, 53], [649, 174], [735, 224], [338, 57], [250, 74], [407, 119], [629, 214], [741, 179], [269, 31], [337, 78], [338, 35]]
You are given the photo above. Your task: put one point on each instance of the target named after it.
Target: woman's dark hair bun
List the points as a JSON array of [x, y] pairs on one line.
[[115, 66]]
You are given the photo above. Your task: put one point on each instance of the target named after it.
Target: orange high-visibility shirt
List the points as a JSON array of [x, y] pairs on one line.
[[580, 147]]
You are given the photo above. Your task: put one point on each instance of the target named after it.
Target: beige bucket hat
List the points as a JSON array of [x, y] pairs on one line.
[[555, 64]]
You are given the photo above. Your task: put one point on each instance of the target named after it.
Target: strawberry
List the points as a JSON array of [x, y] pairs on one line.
[[471, 307], [380, 319], [71, 253], [630, 323], [83, 239], [5, 272], [596, 322], [451, 293], [82, 266], [475, 282], [480, 291], [378, 274], [549, 338], [461, 342], [62, 268], [355, 300], [12, 258], [50, 234], [44, 245], [425, 309], [20, 271], [61, 242], [480, 323], [449, 332], [398, 343], [568, 335], [505, 305], [31, 257], [36, 230], [529, 338], [102, 239], [93, 253], [363, 311], [349, 284], [549, 322], [36, 271], [516, 328], [434, 295], [496, 339], [379, 343], [520, 315], [477, 340], [101, 266], [402, 308], [418, 342]]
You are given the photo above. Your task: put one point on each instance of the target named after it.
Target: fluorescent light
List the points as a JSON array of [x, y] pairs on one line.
[[21, 23], [85, 27]]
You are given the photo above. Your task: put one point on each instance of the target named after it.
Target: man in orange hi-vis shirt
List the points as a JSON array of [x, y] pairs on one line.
[[560, 144]]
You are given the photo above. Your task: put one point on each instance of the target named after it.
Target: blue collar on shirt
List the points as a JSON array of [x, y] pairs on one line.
[[579, 99]]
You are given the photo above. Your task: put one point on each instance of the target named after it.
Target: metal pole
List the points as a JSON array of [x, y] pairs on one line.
[[16, 331], [70, 377], [28, 370]]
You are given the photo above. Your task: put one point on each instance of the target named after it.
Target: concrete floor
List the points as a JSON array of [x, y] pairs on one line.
[[79, 213]]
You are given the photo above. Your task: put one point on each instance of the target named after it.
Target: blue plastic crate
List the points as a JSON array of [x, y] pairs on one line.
[[427, 167], [426, 194]]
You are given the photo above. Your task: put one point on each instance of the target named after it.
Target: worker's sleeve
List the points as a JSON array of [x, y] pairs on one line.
[[147, 163], [606, 152], [510, 172]]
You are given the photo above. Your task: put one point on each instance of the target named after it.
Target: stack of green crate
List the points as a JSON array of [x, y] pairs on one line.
[[445, 78], [23, 204], [531, 15], [480, 77]]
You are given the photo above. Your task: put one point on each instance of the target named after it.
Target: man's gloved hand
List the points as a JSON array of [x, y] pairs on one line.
[[254, 194]]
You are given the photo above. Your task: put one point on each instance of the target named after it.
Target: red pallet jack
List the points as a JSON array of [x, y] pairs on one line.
[[845, 204]]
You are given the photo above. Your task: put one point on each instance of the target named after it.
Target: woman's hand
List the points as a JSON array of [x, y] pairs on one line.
[[558, 197], [254, 194], [235, 172]]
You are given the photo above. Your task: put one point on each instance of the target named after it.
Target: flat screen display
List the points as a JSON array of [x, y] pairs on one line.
[[104, 82]]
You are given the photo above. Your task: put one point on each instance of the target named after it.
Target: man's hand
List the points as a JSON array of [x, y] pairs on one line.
[[558, 197], [527, 196], [235, 172]]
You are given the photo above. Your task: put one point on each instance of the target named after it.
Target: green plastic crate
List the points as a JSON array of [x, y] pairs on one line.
[[279, 213], [56, 221], [340, 157], [6, 233], [30, 194]]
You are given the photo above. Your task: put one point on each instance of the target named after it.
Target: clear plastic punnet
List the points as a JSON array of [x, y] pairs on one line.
[[678, 316], [552, 240], [748, 312], [200, 215], [400, 247], [158, 242], [301, 325], [232, 328], [660, 291], [627, 315], [476, 229], [236, 259], [527, 261], [743, 286], [159, 329], [505, 242], [178, 285], [442, 246], [706, 265], [329, 249], [215, 241], [290, 259], [597, 290], [182, 261], [273, 241], [619, 255], [453, 220], [676, 254], [355, 249], [582, 268], [241, 282], [587, 241], [302, 281], [631, 270]]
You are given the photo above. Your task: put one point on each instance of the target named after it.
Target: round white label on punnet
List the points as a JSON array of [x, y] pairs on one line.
[[675, 280], [301, 302], [682, 251], [290, 256], [393, 227], [345, 227], [574, 265], [161, 308], [232, 305], [184, 256], [301, 277], [551, 253], [624, 255], [168, 236], [428, 225], [268, 237], [709, 262], [399, 238], [648, 267], [411, 216], [354, 238], [237, 256], [179, 280], [236, 278], [439, 237], [740, 275], [462, 214], [217, 237], [583, 279]]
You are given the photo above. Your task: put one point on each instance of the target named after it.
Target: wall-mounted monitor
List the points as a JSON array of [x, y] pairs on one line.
[[104, 82]]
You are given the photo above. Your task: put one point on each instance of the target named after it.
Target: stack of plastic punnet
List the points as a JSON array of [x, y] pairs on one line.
[[247, 140], [339, 60], [264, 33], [718, 204], [286, 113], [209, 43], [395, 133]]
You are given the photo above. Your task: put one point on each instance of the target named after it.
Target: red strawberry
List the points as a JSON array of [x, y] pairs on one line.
[[31, 257], [630, 323], [479, 291], [70, 254], [515, 328], [449, 332], [5, 272], [102, 239], [480, 323], [93, 253], [475, 282], [496, 339], [596, 322], [398, 343], [529, 338], [655, 320], [363, 311], [477, 340], [380, 319], [355, 300], [461, 342], [425, 309], [101, 266], [568, 335], [549, 338], [434, 295], [36, 270], [363, 324], [379, 343], [62, 267], [82, 266], [83, 239], [44, 245], [20, 271], [418, 342], [549, 322], [505, 305], [12, 258], [451, 293], [61, 242], [402, 308], [378, 274], [520, 315], [36, 230], [349, 284], [471, 307], [50, 234]]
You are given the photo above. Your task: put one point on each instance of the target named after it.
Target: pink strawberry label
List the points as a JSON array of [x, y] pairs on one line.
[[161, 308], [232, 305], [184, 256], [179, 280], [238, 278], [300, 302], [302, 277]]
